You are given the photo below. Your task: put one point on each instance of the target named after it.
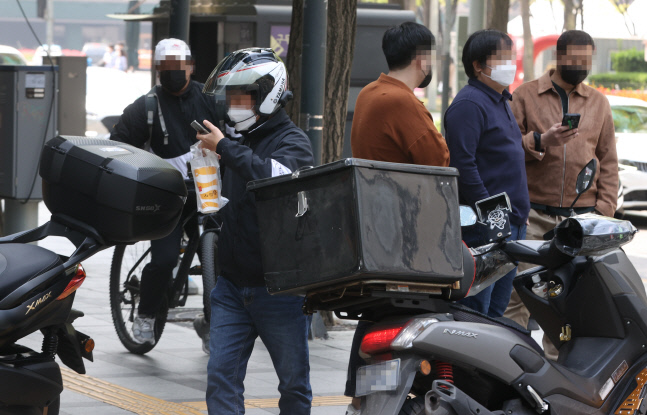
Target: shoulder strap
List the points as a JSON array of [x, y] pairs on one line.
[[151, 102]]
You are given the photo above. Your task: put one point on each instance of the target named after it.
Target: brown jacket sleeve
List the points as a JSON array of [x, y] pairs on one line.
[[430, 149], [607, 183], [528, 140]]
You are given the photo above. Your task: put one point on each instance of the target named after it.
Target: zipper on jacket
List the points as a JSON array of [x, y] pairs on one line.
[[568, 105]]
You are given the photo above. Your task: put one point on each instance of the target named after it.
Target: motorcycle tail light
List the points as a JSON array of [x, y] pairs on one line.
[[75, 283], [410, 332], [379, 341]]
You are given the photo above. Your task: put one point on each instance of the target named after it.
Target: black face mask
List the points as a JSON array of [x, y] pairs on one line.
[[173, 81], [573, 74], [427, 79]]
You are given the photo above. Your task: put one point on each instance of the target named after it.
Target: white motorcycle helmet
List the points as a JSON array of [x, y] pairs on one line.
[[258, 71]]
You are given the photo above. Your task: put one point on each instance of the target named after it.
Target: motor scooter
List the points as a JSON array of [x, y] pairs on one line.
[[428, 355], [38, 286]]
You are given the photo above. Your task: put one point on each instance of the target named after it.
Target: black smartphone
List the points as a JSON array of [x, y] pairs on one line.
[[199, 127], [571, 121]]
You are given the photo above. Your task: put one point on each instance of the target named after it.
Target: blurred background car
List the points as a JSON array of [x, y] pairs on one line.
[[108, 92], [95, 52], [11, 56], [630, 122], [41, 51]]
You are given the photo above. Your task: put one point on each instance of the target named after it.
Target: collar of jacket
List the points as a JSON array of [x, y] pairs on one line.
[[496, 97], [268, 127], [546, 84]]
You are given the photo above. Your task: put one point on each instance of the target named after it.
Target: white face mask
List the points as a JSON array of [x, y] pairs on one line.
[[244, 118], [503, 74]]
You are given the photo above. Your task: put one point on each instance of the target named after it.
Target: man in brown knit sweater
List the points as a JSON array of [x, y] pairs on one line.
[[391, 124]]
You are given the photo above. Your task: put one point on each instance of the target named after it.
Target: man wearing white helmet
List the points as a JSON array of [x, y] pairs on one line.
[[161, 121], [253, 83]]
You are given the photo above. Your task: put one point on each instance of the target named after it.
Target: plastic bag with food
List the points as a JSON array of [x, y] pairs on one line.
[[206, 176]]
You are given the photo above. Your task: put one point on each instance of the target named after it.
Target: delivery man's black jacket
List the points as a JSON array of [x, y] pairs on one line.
[[278, 139]]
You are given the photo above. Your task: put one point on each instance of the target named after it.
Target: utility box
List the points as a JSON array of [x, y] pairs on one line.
[[27, 120], [71, 87]]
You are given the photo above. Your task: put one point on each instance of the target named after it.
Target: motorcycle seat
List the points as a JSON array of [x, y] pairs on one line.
[[19, 263]]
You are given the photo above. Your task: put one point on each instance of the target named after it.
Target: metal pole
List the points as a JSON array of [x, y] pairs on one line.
[[49, 26], [132, 36], [477, 16], [432, 89], [179, 20], [313, 72]]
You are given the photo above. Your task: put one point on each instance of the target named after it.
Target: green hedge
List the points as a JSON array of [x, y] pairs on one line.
[[630, 60], [621, 80]]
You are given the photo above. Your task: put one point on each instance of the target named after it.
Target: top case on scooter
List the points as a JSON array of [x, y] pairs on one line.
[[124, 193]]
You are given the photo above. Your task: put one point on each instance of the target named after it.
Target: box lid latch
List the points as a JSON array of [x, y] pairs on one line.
[[302, 202]]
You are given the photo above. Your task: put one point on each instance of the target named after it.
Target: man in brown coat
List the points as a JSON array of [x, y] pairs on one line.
[[555, 154], [391, 124]]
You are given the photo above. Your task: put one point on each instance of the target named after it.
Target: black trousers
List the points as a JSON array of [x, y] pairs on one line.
[[165, 252]]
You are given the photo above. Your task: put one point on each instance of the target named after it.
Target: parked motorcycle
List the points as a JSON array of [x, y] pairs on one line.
[[100, 193], [429, 355], [455, 361]]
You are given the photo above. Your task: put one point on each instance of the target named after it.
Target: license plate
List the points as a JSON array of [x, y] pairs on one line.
[[384, 376]]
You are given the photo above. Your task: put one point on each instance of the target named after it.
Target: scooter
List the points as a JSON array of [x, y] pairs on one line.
[[430, 356], [38, 286], [37, 289]]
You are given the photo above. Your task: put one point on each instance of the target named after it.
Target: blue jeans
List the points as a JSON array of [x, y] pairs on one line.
[[494, 299], [238, 316]]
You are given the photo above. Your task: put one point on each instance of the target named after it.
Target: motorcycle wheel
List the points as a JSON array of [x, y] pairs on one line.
[[415, 406], [128, 261], [210, 269]]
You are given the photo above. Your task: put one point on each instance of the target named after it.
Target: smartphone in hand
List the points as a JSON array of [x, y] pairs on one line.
[[571, 121], [199, 127]]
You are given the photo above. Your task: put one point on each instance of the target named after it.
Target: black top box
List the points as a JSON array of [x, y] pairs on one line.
[[356, 220], [124, 193]]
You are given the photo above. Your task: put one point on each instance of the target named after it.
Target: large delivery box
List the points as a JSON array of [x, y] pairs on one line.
[[124, 193], [355, 221]]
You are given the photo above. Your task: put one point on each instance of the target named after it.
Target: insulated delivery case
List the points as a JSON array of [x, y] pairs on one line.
[[124, 193], [355, 222]]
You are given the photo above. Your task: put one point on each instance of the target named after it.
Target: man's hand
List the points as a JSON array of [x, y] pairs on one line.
[[557, 135], [212, 139]]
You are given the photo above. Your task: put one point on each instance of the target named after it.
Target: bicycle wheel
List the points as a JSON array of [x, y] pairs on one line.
[[210, 269], [128, 261]]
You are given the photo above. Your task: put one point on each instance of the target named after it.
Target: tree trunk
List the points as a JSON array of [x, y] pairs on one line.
[[295, 48], [528, 45], [340, 48], [569, 15], [448, 24], [498, 15]]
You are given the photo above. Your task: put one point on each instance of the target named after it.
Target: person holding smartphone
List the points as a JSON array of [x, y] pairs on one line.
[[564, 124]]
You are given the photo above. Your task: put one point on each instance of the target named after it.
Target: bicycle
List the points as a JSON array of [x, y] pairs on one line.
[[128, 262]]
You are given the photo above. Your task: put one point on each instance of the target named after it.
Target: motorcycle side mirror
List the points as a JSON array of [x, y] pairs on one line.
[[585, 179], [468, 216]]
